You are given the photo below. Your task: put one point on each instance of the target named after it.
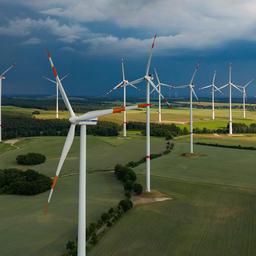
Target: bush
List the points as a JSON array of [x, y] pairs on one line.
[[71, 249], [30, 182], [125, 205], [104, 217], [124, 173], [127, 194], [31, 159], [128, 185], [130, 175], [137, 188]]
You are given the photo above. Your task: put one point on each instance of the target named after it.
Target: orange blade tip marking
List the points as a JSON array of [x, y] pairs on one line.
[[143, 105], [54, 181], [118, 109]]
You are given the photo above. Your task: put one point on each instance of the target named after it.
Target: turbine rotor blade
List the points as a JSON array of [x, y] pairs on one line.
[[123, 74], [223, 86], [236, 87], [98, 113], [150, 56], [8, 69], [116, 87], [249, 83], [217, 89], [48, 79], [194, 93], [156, 89], [135, 87], [194, 74], [137, 81], [65, 150], [157, 86], [62, 91], [205, 87], [214, 77], [64, 77], [157, 77], [167, 85], [181, 86]]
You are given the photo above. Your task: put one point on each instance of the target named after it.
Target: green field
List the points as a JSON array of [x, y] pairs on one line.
[[212, 211], [24, 228], [224, 139], [179, 116]]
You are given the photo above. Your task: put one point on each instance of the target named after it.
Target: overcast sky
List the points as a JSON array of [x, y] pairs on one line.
[[88, 38]]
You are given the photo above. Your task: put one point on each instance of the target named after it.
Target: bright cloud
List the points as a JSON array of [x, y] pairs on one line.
[[23, 27], [180, 24]]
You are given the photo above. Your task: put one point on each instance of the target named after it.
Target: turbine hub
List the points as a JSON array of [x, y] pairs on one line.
[[73, 119]]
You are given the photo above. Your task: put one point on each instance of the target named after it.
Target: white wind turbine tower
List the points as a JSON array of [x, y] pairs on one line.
[[57, 92], [2, 77], [191, 93], [123, 84], [214, 88], [159, 85], [243, 88], [148, 79], [230, 84], [90, 118]]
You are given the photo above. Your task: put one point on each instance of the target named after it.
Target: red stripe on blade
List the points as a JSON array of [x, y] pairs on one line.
[[48, 54], [54, 71], [118, 110], [144, 105], [153, 44], [54, 181]]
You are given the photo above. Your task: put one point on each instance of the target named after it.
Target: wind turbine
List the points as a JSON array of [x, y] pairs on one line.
[[159, 85], [244, 94], [148, 79], [230, 84], [123, 84], [191, 93], [2, 77], [214, 88], [89, 118], [57, 92]]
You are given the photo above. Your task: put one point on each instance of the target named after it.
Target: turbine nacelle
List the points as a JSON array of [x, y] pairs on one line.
[[93, 121]]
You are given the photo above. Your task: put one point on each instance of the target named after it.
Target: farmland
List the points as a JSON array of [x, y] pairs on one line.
[[212, 194], [23, 219], [179, 116], [211, 211]]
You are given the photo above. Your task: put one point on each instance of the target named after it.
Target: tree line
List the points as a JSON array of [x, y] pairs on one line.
[[237, 128], [159, 130], [21, 126], [226, 146]]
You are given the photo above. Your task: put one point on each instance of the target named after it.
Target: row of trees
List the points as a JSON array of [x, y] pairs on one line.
[[237, 128], [159, 130], [22, 126], [96, 229], [169, 147], [128, 177], [226, 146], [30, 159], [80, 105], [30, 182]]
